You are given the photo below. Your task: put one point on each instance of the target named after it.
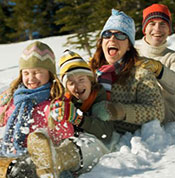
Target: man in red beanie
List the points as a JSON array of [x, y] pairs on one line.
[[157, 26]]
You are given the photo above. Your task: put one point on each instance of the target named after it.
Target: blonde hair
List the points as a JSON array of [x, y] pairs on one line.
[[56, 91]]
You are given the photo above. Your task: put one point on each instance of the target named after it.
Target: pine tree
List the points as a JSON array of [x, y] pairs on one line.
[[30, 17], [75, 18]]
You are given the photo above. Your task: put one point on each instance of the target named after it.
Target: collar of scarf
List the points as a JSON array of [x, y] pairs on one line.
[[18, 124], [84, 107], [107, 74], [89, 101]]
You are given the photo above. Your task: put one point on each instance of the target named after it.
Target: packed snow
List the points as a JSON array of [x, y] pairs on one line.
[[150, 152]]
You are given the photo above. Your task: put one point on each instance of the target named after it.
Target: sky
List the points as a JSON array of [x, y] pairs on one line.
[[148, 153]]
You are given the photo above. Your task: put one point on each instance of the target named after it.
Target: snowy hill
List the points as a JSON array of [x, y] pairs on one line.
[[150, 152]]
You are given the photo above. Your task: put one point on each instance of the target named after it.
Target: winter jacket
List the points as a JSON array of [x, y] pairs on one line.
[[103, 130], [39, 120], [140, 98], [167, 57]]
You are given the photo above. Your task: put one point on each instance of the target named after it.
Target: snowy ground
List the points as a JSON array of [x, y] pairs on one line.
[[150, 152]]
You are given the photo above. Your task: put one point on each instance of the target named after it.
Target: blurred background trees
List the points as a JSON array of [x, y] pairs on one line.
[[22, 20]]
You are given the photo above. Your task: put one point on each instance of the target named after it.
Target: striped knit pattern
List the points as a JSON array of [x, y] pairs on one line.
[[38, 54], [156, 11], [72, 63]]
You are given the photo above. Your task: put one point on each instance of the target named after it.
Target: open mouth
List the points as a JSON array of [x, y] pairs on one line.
[[112, 51], [78, 94]]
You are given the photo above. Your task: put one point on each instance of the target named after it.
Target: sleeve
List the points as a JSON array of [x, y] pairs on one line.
[[149, 103], [103, 130], [167, 81]]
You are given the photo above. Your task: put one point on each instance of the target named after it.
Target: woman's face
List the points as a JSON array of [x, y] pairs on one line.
[[79, 86], [113, 48], [34, 78]]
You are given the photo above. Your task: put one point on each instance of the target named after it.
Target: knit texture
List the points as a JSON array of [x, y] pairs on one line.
[[156, 11], [121, 22], [19, 121], [38, 54], [167, 83], [141, 100], [72, 63], [107, 75]]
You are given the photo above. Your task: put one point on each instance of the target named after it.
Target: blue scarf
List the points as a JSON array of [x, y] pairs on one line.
[[18, 124]]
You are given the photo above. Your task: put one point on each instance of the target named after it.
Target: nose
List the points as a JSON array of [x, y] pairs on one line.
[[157, 26], [31, 76]]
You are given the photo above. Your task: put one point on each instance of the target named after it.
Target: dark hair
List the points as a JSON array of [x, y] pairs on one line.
[[129, 61]]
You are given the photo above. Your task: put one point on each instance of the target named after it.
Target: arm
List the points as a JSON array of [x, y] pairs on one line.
[[145, 102], [103, 130], [167, 81], [149, 103]]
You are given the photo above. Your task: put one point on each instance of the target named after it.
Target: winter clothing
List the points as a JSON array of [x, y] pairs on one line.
[[106, 76], [39, 119], [71, 63], [155, 67], [22, 167], [4, 164], [71, 154], [121, 22], [38, 54], [156, 11], [128, 114], [167, 58], [54, 159], [24, 100], [23, 111]]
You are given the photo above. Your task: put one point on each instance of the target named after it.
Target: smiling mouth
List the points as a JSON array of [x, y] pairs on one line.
[[80, 93], [112, 51]]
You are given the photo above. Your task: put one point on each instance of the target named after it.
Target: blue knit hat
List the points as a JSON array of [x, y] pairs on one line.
[[121, 22]]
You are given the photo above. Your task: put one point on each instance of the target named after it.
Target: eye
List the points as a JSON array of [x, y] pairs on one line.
[[25, 73], [70, 83]]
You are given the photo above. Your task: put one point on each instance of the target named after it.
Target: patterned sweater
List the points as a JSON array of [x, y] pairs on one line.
[[140, 98], [167, 82]]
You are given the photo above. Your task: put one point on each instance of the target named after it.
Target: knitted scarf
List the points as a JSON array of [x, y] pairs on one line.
[[107, 75], [18, 124]]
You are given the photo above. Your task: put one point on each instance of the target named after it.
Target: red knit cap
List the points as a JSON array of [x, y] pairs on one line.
[[156, 11]]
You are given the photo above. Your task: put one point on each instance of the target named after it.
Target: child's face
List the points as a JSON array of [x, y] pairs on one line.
[[34, 78], [79, 85]]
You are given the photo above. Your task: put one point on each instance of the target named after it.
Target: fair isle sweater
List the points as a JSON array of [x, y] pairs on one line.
[[167, 57], [141, 99]]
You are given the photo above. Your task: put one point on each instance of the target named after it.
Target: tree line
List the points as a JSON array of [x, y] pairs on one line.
[[22, 20]]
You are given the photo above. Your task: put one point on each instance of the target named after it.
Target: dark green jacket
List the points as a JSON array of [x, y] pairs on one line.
[[103, 130]]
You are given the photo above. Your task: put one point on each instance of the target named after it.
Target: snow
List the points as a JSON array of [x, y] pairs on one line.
[[150, 152]]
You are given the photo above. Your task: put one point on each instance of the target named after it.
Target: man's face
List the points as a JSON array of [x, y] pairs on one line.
[[156, 32]]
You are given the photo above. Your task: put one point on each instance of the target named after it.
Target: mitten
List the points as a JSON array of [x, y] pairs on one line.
[[107, 111], [151, 65], [65, 110]]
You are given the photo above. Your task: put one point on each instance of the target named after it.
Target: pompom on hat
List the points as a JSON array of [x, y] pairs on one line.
[[38, 54], [72, 63], [156, 11], [121, 22]]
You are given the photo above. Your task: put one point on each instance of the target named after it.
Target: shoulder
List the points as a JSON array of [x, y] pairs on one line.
[[101, 95], [139, 72]]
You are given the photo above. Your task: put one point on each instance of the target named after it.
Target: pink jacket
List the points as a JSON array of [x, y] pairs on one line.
[[63, 129]]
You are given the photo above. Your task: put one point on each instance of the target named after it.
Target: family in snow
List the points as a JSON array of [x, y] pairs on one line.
[[59, 126]]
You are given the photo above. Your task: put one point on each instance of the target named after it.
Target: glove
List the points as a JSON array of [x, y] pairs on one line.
[[151, 65], [65, 110], [108, 111]]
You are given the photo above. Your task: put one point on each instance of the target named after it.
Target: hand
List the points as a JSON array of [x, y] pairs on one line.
[[151, 65], [65, 110], [108, 111]]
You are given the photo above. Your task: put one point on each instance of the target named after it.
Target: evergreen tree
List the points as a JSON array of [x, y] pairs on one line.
[[31, 17], [75, 18], [4, 14]]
